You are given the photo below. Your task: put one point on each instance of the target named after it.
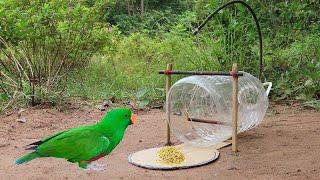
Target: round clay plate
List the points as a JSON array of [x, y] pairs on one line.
[[194, 156]]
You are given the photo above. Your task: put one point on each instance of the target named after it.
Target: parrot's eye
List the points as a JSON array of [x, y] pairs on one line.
[[126, 115]]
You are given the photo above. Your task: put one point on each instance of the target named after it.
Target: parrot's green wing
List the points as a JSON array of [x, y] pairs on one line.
[[75, 145], [33, 145]]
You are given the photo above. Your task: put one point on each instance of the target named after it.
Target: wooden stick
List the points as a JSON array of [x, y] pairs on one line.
[[207, 121], [166, 72], [234, 108], [168, 85]]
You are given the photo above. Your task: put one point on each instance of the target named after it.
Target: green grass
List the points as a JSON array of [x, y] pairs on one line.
[[132, 68]]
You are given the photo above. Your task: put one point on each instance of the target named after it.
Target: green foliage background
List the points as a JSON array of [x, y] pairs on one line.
[[115, 48]]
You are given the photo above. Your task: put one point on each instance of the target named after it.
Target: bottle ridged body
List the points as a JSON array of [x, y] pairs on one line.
[[210, 98]]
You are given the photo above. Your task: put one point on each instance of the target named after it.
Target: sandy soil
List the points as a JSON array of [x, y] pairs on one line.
[[285, 146]]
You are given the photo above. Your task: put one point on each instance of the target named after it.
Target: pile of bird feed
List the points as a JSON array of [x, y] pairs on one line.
[[170, 155]]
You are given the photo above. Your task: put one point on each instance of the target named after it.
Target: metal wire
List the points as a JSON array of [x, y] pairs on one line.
[[197, 30]]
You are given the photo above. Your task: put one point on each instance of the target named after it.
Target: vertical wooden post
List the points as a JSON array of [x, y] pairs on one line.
[[234, 108], [168, 85]]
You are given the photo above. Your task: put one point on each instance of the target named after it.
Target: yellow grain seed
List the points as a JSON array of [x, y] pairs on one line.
[[170, 155]]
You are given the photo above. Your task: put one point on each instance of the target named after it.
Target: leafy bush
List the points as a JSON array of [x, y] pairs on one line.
[[76, 29], [295, 69], [42, 41]]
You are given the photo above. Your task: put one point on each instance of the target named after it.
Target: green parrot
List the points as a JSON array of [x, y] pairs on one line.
[[83, 144]]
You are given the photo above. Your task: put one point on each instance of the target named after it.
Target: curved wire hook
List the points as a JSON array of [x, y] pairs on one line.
[[196, 31]]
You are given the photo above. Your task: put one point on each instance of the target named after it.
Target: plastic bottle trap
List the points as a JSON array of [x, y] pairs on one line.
[[206, 110], [200, 108], [200, 117]]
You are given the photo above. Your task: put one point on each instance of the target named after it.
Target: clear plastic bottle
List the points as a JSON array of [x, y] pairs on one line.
[[210, 98]]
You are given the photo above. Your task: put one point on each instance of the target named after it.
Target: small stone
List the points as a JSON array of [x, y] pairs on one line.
[[105, 104], [100, 107], [4, 145], [140, 140], [21, 111], [232, 168], [9, 113], [22, 120]]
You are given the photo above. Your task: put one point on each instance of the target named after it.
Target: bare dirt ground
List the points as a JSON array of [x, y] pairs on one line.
[[285, 146]]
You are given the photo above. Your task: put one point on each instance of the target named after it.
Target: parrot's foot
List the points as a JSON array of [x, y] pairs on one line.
[[96, 167]]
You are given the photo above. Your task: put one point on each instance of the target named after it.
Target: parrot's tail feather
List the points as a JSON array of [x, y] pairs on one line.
[[31, 148], [27, 157]]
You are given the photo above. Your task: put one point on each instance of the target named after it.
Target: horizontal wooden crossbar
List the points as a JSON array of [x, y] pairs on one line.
[[212, 73], [208, 121]]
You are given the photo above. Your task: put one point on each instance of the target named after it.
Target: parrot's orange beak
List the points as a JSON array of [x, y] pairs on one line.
[[133, 118]]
